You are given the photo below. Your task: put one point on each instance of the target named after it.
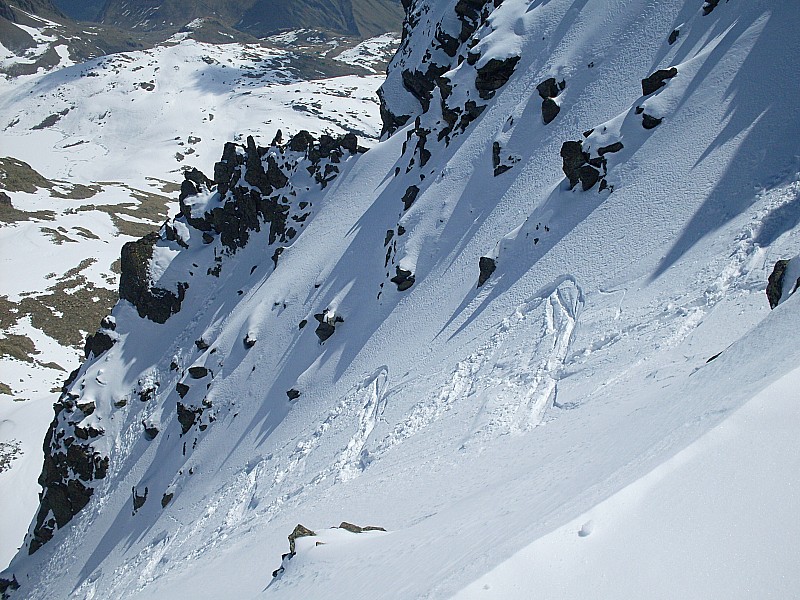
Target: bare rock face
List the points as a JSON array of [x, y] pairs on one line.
[[494, 75], [70, 465], [549, 89], [154, 303]]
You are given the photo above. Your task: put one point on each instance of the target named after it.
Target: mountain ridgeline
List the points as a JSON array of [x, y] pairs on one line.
[[363, 18]]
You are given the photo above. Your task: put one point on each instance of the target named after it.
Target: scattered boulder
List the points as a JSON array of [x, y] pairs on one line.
[[150, 431], [201, 344], [327, 325], [673, 37], [649, 122], [778, 284], [410, 196], [403, 279], [657, 80], [549, 89], [249, 341], [357, 529], [198, 372], [166, 499], [487, 266], [709, 6], [138, 501], [497, 164], [187, 417], [182, 389], [293, 394]]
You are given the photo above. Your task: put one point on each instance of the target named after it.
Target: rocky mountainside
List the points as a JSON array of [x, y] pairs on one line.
[[363, 18], [542, 322]]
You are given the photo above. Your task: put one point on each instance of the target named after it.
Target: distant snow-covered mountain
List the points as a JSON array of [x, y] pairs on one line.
[[364, 18], [536, 338]]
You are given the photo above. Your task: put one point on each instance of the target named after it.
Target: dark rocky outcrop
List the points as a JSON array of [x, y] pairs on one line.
[[494, 75], [298, 532], [154, 303], [70, 465], [652, 83], [487, 266], [777, 284], [580, 166]]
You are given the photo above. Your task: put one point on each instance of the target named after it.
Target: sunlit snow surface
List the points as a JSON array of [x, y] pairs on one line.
[[559, 432]]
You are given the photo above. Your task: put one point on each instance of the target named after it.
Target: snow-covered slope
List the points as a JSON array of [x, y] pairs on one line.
[[582, 390], [91, 157]]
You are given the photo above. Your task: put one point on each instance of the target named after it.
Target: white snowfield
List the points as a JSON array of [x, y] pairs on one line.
[[612, 414]]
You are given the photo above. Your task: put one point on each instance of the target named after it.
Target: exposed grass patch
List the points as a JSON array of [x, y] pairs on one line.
[[18, 176], [20, 347]]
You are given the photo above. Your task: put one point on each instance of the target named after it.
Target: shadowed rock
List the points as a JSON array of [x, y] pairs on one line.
[[657, 80]]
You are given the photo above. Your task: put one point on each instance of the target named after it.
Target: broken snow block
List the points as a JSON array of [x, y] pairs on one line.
[[487, 266], [657, 80]]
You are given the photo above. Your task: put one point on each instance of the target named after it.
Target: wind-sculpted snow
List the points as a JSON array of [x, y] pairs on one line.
[[615, 329]]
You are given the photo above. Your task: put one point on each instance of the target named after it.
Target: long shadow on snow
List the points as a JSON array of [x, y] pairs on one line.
[[570, 212], [760, 161]]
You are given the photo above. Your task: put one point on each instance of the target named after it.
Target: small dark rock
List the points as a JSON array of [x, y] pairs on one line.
[[673, 37], [487, 266], [657, 80], [649, 122], [150, 431], [403, 279], [615, 147], [207, 238], [201, 344], [709, 6], [182, 389], [138, 501], [573, 158], [410, 196], [302, 324], [550, 110], [198, 372], [249, 341], [357, 529], [775, 283], [324, 331], [167, 498], [293, 394]]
